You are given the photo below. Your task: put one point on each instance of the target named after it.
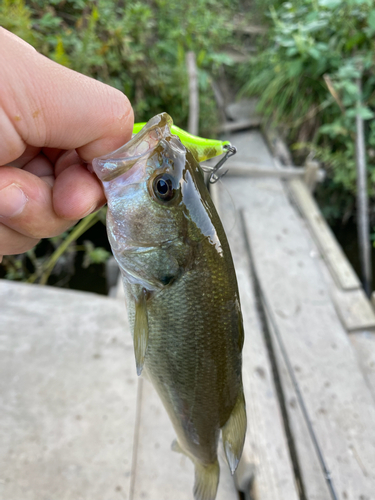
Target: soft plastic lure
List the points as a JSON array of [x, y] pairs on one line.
[[201, 149]]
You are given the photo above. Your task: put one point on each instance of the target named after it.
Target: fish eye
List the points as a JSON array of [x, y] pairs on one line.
[[163, 187]]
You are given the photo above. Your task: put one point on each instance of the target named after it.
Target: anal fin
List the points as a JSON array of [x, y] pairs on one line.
[[140, 331], [206, 481], [175, 446], [233, 433]]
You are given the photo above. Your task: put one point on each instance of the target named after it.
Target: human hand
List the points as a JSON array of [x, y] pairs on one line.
[[52, 120]]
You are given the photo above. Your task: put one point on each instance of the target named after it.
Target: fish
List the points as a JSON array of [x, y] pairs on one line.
[[181, 292]]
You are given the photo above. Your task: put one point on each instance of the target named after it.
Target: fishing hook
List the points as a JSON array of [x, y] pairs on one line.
[[231, 150]]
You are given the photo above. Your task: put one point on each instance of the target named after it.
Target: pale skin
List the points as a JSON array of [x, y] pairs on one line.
[[53, 122]]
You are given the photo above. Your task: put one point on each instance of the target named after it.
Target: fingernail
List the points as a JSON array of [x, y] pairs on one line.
[[90, 210], [12, 201]]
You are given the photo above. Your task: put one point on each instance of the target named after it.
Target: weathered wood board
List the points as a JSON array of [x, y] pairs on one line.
[[353, 307], [364, 345], [274, 464], [239, 125], [330, 249], [67, 395], [251, 148], [337, 397], [266, 446], [313, 482], [355, 311], [248, 170]]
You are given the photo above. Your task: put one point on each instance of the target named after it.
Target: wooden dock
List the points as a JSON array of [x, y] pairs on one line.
[[77, 424]]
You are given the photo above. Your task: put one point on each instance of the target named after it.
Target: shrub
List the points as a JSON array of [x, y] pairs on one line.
[[138, 47], [305, 75]]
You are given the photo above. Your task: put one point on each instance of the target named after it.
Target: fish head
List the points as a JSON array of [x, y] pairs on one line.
[[156, 194]]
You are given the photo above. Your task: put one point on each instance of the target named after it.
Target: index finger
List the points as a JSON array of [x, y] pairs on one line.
[[43, 104]]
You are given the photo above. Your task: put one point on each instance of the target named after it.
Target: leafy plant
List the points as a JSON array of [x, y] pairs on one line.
[[59, 256], [306, 73], [138, 47]]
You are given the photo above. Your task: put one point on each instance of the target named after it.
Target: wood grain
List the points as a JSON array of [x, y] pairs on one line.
[[266, 448], [67, 395], [337, 397], [330, 249]]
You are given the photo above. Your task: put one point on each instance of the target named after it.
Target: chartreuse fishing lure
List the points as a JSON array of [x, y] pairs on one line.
[[202, 149]]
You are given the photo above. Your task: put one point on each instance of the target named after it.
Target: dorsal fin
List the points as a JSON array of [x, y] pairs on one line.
[[234, 432]]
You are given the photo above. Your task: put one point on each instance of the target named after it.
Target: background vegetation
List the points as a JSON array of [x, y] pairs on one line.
[[305, 74], [138, 47], [303, 69]]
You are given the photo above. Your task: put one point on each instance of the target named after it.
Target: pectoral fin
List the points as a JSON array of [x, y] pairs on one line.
[[140, 331], [233, 433]]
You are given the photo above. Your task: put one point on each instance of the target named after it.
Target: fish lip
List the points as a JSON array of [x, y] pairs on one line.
[[154, 124], [121, 165], [110, 166]]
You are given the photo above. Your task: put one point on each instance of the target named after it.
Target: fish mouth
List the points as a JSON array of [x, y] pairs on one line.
[[119, 168], [112, 165]]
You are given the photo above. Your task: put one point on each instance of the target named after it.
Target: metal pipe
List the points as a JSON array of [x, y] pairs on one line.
[[363, 225]]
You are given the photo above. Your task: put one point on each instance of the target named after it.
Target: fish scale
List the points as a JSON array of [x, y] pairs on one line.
[[181, 293]]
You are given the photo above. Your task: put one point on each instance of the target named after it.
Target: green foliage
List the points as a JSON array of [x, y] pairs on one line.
[[94, 255], [306, 77], [138, 47], [16, 17], [56, 256]]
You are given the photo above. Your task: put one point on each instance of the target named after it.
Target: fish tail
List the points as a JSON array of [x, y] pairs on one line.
[[206, 481]]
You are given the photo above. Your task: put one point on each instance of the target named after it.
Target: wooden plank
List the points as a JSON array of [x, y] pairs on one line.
[[338, 400], [242, 109], [160, 473], [352, 306], [266, 448], [355, 312], [313, 481], [354, 309], [312, 478], [251, 148], [67, 395], [277, 144], [237, 169], [239, 125], [328, 246], [364, 345]]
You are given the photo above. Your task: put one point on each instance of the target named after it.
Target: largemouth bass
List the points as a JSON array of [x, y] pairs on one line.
[[181, 292]]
